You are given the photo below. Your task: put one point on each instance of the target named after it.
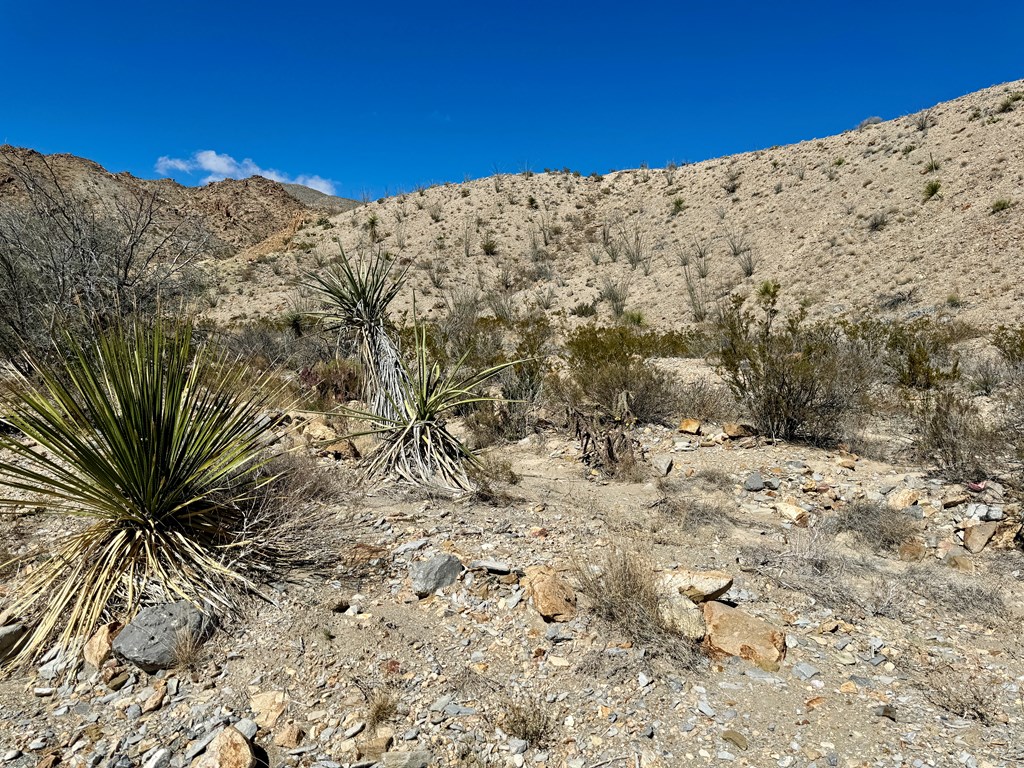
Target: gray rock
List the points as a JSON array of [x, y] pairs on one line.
[[159, 759], [517, 746], [498, 567], [754, 482], [153, 639], [418, 759], [247, 728], [662, 464], [9, 637], [428, 576], [805, 671]]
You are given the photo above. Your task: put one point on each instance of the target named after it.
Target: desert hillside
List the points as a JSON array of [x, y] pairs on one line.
[[918, 215], [322, 543]]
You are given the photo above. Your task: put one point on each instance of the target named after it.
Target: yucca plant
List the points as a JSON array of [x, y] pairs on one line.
[[356, 296], [148, 445], [416, 446]]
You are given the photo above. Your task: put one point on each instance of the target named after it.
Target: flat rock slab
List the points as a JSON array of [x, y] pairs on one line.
[[699, 586], [732, 632], [439, 572], [159, 635]]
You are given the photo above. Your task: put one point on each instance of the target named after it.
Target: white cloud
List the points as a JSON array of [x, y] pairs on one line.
[[218, 166]]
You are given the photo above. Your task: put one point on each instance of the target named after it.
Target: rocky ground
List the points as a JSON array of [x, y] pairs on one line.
[[426, 643]]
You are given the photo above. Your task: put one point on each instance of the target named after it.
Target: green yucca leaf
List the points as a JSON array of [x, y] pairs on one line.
[[152, 442]]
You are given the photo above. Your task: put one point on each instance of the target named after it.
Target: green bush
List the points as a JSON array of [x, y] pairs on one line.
[[1001, 205], [794, 380], [920, 354], [604, 363], [1010, 343]]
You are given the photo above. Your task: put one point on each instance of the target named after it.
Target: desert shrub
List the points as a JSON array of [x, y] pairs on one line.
[[868, 121], [604, 363], [877, 221], [68, 261], [1010, 344], [584, 309], [701, 399], [951, 432], [1001, 205], [793, 380], [921, 354], [986, 375], [615, 293], [931, 189], [154, 443], [489, 246], [874, 524]]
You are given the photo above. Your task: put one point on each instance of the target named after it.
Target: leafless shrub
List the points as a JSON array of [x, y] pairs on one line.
[[950, 430], [875, 524], [956, 592], [963, 693], [67, 261], [701, 399]]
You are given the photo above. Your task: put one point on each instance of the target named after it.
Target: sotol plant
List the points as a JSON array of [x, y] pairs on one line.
[[356, 296], [154, 444], [416, 446]]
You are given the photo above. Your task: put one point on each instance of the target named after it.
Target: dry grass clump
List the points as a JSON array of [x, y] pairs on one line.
[[623, 590], [875, 524], [528, 719], [809, 563], [957, 592], [381, 706]]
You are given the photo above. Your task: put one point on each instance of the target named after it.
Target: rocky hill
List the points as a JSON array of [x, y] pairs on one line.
[[919, 215], [231, 214]]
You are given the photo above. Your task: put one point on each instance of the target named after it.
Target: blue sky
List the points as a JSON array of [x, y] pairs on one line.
[[374, 97]]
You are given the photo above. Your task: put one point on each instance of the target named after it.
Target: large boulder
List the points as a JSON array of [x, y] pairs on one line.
[[732, 632], [161, 635], [439, 572]]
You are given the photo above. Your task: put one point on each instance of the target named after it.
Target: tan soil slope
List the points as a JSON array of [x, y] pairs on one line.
[[805, 209]]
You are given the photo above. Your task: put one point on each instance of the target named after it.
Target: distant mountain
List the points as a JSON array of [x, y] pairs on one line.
[[231, 215]]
